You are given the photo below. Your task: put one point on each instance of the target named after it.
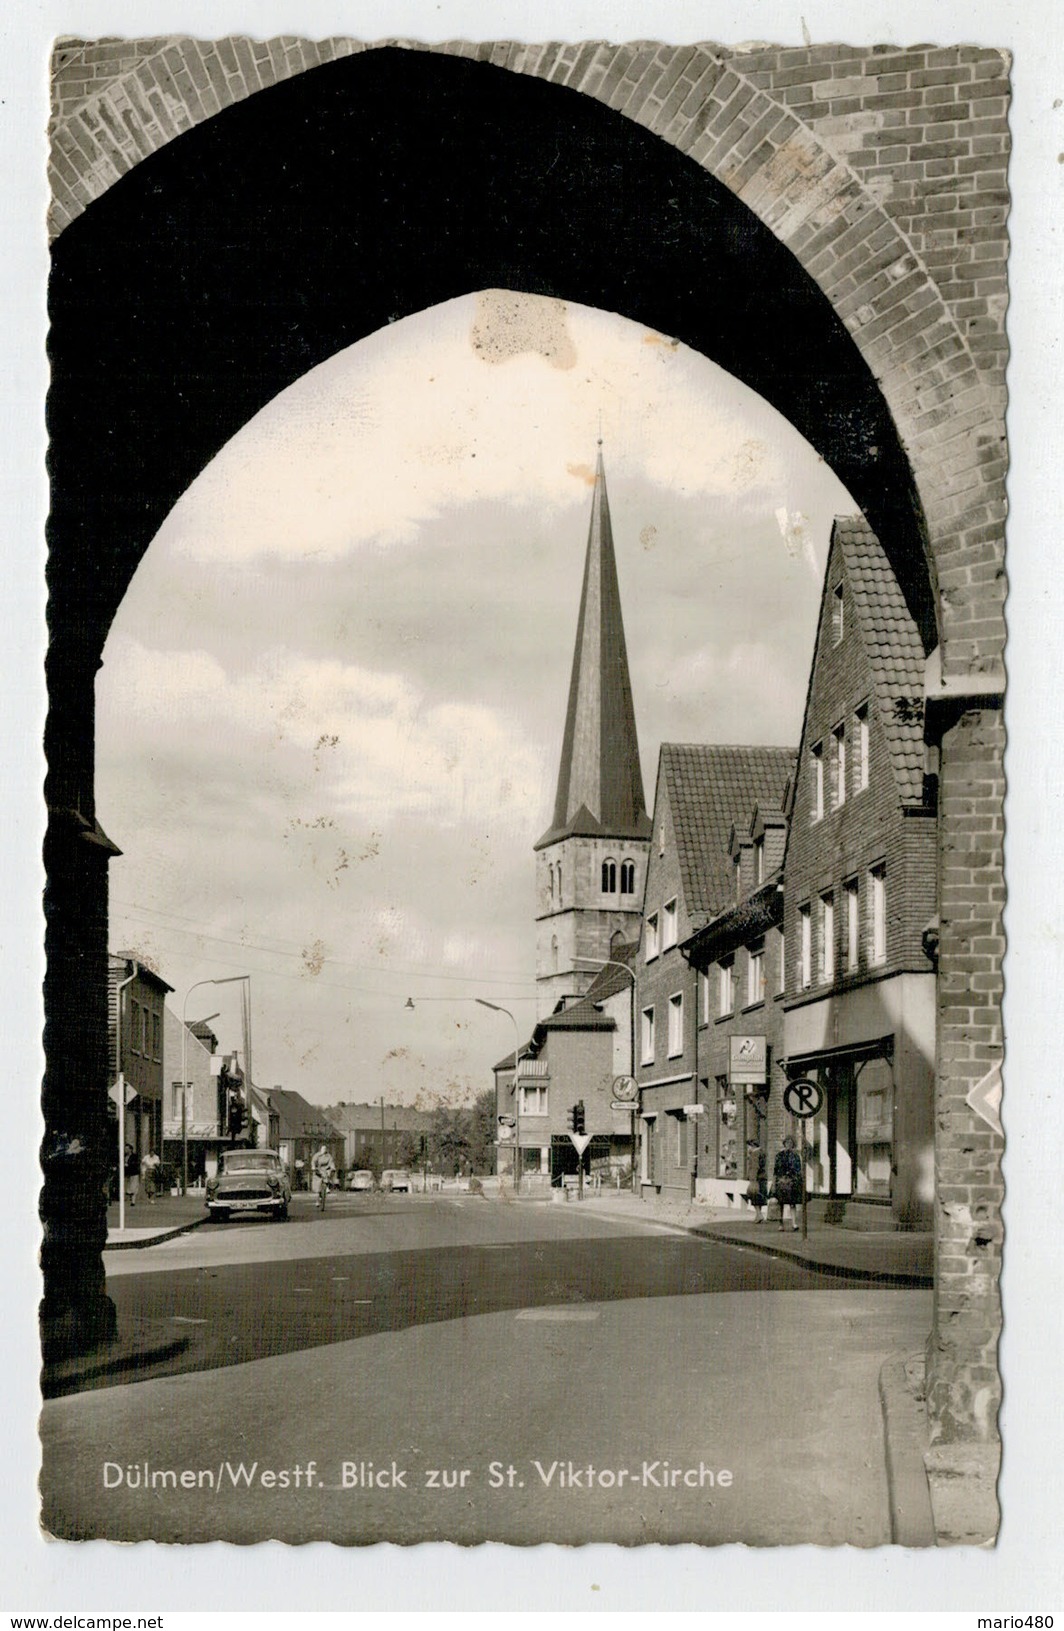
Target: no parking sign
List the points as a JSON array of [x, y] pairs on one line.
[[803, 1098]]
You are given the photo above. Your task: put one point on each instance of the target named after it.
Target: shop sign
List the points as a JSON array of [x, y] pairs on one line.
[[749, 1061]]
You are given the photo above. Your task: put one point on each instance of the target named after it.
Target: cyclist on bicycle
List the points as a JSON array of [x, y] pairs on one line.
[[323, 1167]]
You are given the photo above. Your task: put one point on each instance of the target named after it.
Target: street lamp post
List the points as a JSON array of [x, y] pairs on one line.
[[229, 979], [494, 1006]]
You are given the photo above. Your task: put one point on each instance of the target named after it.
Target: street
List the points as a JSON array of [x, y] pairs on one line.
[[415, 1368]]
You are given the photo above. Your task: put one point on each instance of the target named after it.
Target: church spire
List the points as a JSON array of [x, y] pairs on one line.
[[600, 783]]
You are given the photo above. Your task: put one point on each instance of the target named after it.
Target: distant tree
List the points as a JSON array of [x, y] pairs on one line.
[[409, 1149], [450, 1138], [482, 1131]]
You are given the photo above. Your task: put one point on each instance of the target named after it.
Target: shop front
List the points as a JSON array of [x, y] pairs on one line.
[[850, 1141]]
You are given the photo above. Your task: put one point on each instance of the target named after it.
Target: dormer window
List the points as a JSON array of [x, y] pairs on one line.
[[609, 877], [838, 615], [738, 880], [627, 877], [759, 860]]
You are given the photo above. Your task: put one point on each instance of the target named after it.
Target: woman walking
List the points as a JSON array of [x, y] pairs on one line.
[[787, 1181]]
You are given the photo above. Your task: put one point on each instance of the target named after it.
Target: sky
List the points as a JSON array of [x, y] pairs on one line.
[[331, 707]]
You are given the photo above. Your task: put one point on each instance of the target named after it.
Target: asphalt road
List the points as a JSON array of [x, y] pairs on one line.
[[383, 1264], [448, 1342]]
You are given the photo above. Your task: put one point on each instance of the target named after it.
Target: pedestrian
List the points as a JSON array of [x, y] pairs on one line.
[[132, 1169], [787, 1181], [757, 1176], [148, 1166]]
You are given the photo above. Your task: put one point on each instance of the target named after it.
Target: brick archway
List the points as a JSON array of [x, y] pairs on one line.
[[867, 186], [883, 171]]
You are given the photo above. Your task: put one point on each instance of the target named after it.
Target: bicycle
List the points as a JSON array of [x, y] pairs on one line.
[[323, 1190]]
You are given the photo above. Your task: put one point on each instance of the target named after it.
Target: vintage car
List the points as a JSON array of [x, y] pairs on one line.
[[362, 1179], [395, 1180], [249, 1181]]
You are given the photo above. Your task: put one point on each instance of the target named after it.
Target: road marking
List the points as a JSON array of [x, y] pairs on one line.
[[558, 1315], [184, 1319]]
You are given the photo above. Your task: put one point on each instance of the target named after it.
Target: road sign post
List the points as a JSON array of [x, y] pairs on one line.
[[803, 1099]]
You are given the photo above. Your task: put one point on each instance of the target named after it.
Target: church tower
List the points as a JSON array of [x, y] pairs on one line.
[[591, 862]]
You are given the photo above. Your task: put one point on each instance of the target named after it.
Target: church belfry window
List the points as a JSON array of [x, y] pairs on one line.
[[609, 877], [627, 877]]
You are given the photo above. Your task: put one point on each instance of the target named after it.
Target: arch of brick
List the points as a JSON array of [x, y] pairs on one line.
[[883, 171]]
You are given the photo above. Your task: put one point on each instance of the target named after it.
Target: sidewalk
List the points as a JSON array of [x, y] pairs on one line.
[[151, 1221], [889, 1257]]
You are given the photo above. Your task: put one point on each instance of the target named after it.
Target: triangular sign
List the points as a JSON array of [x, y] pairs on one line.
[[580, 1141], [985, 1099]]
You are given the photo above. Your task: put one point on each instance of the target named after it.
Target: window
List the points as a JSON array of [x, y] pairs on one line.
[[703, 995], [156, 1035], [652, 936], [755, 974], [877, 936], [759, 861], [661, 838], [646, 1053], [838, 737], [805, 948], [676, 1025], [627, 877], [175, 1103], [609, 877], [838, 615], [860, 765], [559, 880], [726, 987], [134, 1026], [781, 975], [679, 1143], [550, 874], [738, 880], [533, 1100], [817, 756], [853, 950], [668, 927], [826, 907]]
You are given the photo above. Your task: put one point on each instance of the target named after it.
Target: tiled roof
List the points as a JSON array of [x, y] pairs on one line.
[[582, 1016], [608, 981], [710, 790], [298, 1117], [894, 648], [353, 1118]]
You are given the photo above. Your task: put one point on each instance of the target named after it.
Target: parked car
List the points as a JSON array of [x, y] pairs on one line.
[[249, 1181], [361, 1180], [395, 1180]]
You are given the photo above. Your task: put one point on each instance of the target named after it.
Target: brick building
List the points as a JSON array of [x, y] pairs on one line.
[[739, 956], [136, 1002], [860, 897], [569, 1058], [702, 794], [379, 1135]]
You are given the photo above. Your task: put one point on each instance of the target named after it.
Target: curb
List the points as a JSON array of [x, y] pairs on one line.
[[914, 1280], [912, 1521], [155, 1240], [890, 1277]]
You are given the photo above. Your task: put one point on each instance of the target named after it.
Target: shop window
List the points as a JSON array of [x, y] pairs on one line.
[[609, 877], [676, 1025], [826, 913], [726, 986], [755, 974], [875, 1128], [668, 925], [627, 877], [646, 1036], [727, 1130]]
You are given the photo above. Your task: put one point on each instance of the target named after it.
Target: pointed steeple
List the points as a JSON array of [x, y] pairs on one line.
[[600, 783]]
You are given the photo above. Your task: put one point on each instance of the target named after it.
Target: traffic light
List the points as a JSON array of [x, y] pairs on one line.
[[578, 1116], [572, 1119]]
